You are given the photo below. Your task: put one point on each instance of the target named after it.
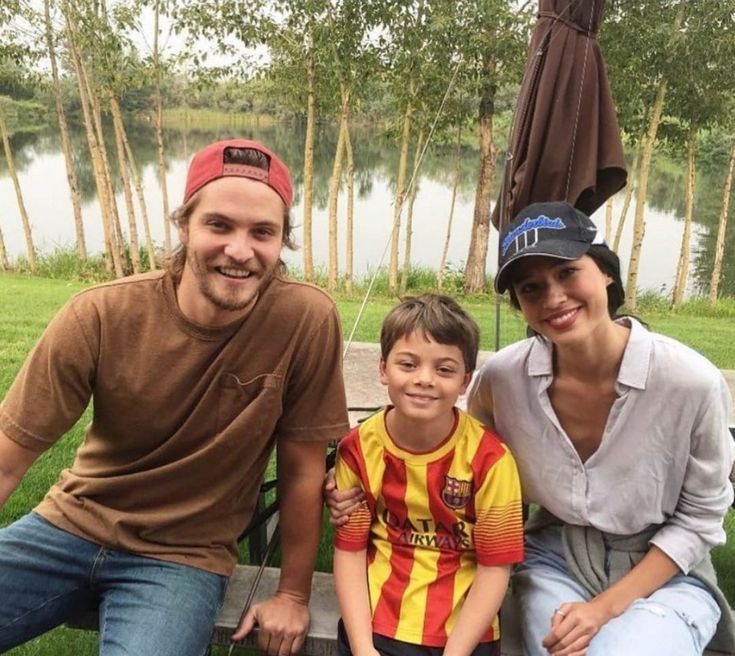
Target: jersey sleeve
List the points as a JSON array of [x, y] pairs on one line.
[[54, 385], [354, 534], [498, 533]]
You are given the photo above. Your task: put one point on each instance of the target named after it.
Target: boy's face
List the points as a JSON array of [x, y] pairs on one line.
[[424, 378]]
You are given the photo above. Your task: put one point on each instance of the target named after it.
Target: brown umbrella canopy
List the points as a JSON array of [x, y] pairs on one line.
[[565, 143]]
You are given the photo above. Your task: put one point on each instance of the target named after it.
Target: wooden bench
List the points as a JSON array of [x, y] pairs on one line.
[[322, 638]]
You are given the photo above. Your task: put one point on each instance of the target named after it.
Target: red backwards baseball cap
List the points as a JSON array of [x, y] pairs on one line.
[[209, 164]]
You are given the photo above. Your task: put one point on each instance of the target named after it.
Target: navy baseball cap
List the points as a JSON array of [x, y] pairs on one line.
[[555, 229]]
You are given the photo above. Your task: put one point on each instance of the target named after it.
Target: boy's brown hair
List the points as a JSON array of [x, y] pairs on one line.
[[438, 317]]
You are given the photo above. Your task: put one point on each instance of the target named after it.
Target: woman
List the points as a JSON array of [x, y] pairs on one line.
[[621, 436]]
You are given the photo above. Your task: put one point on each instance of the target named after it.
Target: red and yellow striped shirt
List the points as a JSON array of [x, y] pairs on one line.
[[428, 520]]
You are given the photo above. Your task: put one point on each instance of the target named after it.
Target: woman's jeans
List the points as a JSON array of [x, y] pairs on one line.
[[679, 619], [146, 606]]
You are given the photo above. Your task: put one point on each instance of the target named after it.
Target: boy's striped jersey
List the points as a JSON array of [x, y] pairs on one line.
[[429, 518]]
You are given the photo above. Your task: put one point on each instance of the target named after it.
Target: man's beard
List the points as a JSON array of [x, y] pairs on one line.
[[233, 302]]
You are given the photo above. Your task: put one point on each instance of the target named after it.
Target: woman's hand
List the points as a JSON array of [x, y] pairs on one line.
[[573, 625], [341, 503]]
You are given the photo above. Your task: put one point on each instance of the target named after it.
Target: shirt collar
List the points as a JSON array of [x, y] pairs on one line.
[[637, 357], [633, 369]]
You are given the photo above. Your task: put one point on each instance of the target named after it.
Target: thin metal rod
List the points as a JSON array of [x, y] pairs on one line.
[[397, 220], [269, 550]]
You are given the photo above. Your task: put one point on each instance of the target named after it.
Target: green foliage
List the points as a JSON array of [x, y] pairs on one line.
[[25, 114], [63, 263], [635, 71]]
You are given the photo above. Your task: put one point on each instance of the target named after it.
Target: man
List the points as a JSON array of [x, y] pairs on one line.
[[195, 373]]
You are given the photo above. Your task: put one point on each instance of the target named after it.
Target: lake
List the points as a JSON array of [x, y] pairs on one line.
[[43, 181]]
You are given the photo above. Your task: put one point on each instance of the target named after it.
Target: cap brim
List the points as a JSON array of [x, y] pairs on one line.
[[559, 249]]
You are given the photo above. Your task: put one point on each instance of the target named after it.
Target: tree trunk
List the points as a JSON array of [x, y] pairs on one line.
[[721, 229], [158, 124], [628, 193], [30, 248], [682, 269], [474, 280], [409, 215], [309, 168], [639, 225], [92, 143], [4, 263], [350, 227], [141, 203], [455, 185], [118, 243], [608, 218], [400, 193], [125, 178], [65, 140], [334, 183]]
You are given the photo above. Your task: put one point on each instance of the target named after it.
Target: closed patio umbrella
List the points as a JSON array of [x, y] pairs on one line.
[[565, 142]]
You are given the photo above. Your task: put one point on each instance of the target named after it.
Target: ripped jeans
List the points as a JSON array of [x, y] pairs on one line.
[[679, 619]]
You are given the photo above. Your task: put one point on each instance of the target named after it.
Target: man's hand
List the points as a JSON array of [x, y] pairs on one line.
[[282, 621], [341, 503]]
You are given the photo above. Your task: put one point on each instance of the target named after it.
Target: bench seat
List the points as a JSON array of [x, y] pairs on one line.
[[322, 637]]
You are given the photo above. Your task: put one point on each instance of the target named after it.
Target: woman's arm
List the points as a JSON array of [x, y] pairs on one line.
[[479, 609], [696, 525], [350, 581], [575, 624]]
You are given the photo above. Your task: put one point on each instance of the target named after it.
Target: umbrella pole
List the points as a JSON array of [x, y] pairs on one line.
[[497, 322], [501, 217]]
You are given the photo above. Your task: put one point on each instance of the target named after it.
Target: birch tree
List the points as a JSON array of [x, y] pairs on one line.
[[15, 54], [295, 33], [722, 229], [158, 126], [66, 148], [644, 77], [493, 38], [700, 97], [27, 232]]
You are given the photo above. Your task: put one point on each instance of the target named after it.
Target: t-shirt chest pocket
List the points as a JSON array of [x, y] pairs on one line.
[[253, 404]]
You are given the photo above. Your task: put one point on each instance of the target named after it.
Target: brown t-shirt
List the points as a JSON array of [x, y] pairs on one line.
[[185, 416]]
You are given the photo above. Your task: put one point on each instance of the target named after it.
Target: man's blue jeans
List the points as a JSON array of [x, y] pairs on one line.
[[679, 619], [146, 606]]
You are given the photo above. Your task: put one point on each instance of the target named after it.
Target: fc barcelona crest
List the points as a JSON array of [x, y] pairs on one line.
[[456, 493]]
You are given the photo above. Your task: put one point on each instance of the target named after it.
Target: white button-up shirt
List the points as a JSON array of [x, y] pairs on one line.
[[665, 455]]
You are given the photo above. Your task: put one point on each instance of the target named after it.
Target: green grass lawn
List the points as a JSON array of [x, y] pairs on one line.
[[28, 303]]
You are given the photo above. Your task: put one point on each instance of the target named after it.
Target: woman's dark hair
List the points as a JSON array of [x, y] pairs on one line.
[[608, 262]]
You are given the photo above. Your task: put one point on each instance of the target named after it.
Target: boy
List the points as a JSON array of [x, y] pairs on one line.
[[422, 566]]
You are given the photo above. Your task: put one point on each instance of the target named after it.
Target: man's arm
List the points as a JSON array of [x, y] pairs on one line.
[[283, 620], [479, 609], [14, 463]]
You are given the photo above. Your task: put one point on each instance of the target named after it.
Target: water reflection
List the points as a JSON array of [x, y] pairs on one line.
[[43, 181]]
